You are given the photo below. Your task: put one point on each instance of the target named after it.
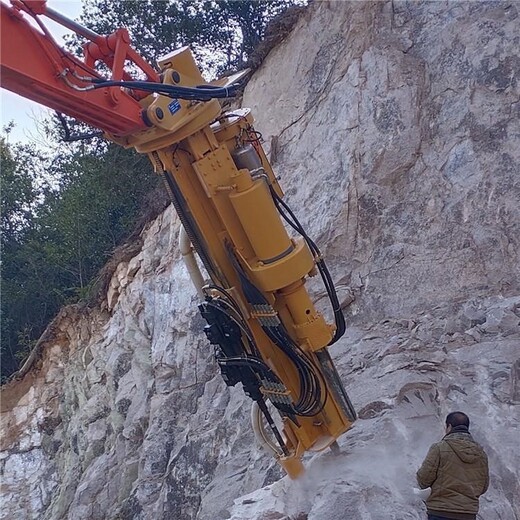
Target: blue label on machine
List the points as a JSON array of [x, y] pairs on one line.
[[174, 106]]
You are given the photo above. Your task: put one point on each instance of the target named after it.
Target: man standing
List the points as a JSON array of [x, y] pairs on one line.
[[456, 470]]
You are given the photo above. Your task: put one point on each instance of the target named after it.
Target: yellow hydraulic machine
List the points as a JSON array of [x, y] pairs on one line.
[[263, 326]]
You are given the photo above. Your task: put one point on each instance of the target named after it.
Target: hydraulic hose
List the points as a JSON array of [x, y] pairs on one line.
[[259, 431]]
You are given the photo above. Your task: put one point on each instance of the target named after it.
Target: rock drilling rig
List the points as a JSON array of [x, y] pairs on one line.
[[265, 330]]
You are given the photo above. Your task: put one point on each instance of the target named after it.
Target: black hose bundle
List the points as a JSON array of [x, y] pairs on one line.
[[311, 398], [288, 215], [198, 93]]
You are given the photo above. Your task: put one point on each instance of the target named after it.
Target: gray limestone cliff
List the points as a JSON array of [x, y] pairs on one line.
[[394, 127]]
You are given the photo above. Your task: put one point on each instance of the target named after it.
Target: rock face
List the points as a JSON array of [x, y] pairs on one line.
[[394, 127]]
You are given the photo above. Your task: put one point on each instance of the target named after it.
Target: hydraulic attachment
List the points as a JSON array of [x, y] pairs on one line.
[[264, 328]]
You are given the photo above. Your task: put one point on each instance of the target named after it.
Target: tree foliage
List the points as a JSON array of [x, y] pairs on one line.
[[56, 238], [20, 196], [19, 191], [222, 33]]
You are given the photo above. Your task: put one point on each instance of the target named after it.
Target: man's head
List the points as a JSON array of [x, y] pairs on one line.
[[454, 419]]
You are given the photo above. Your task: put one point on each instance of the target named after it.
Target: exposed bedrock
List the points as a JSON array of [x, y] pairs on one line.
[[394, 127]]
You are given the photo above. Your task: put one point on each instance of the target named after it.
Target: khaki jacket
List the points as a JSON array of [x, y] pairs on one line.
[[456, 469]]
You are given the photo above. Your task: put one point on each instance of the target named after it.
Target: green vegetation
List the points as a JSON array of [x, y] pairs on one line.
[[64, 213], [57, 234], [222, 33]]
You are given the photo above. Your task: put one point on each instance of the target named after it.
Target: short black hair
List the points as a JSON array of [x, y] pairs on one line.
[[457, 419]]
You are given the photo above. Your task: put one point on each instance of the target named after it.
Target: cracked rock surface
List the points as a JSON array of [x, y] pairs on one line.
[[394, 127]]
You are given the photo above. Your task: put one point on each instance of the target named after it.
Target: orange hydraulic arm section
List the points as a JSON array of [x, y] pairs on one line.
[[35, 67], [267, 333]]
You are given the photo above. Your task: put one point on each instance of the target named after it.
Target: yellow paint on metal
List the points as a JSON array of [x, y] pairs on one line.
[[257, 214], [233, 212]]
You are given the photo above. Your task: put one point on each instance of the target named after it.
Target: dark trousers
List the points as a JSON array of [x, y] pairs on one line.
[[437, 517]]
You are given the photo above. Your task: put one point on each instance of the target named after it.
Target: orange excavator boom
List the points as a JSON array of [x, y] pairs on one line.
[[34, 66]]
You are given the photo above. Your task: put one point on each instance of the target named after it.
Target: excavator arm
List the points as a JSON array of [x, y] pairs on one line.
[[264, 328], [35, 67]]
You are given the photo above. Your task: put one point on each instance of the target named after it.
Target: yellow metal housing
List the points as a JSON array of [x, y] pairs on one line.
[[230, 210]]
